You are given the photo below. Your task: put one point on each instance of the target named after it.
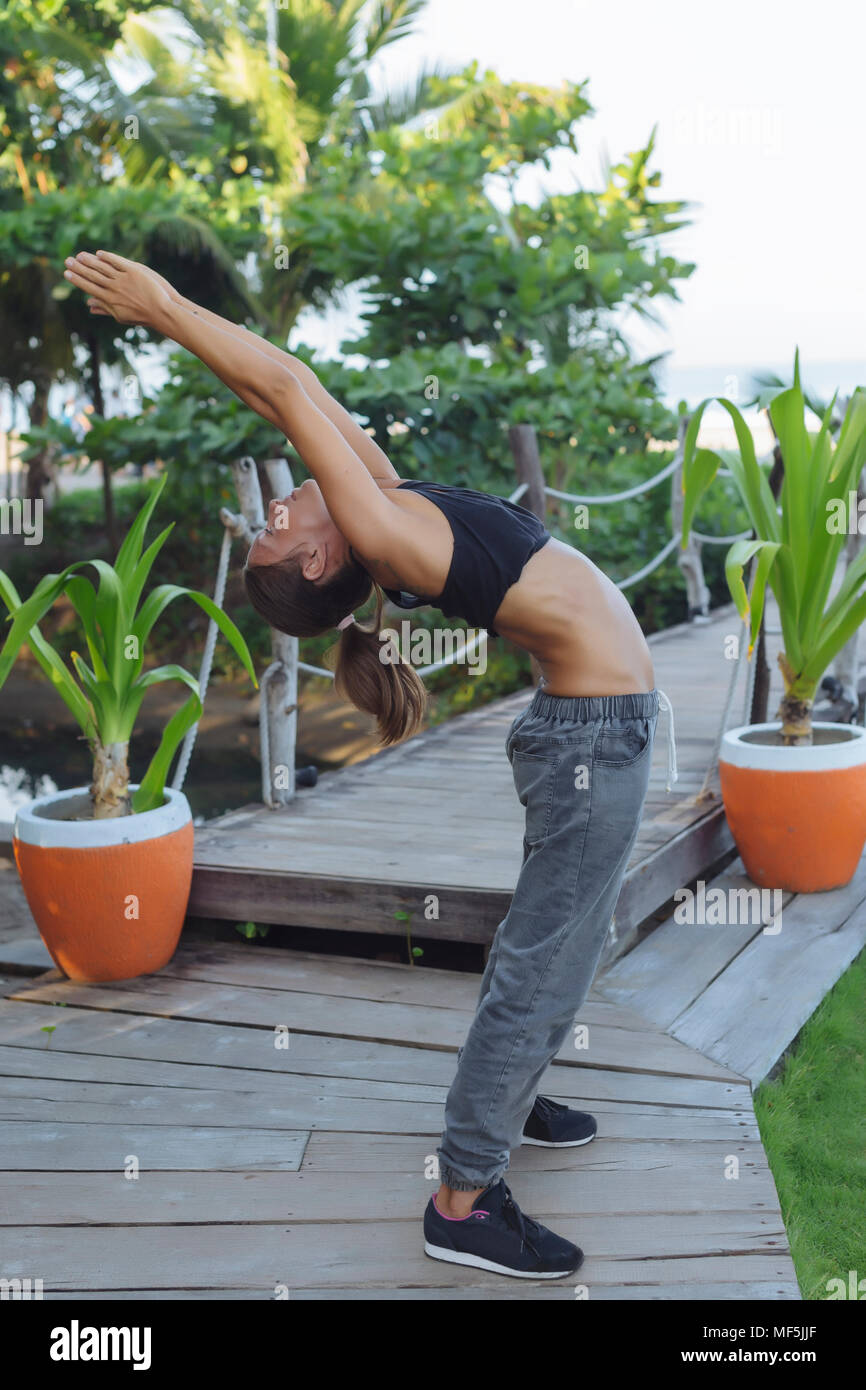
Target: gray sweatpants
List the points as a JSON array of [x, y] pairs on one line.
[[581, 768]]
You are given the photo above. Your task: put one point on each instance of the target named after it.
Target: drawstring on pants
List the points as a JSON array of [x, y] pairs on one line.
[[672, 744]]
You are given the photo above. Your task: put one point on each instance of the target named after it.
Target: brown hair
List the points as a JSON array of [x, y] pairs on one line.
[[369, 673]]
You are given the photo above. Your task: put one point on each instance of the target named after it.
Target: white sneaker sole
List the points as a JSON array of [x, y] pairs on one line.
[[564, 1144], [457, 1257]]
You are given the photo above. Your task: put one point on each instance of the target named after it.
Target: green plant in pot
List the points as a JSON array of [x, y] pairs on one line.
[[794, 790], [107, 868]]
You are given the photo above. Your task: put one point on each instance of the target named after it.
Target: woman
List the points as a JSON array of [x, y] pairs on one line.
[[580, 752]]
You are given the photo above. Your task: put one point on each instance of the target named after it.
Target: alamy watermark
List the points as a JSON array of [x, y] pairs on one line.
[[422, 646], [756, 127], [22, 516], [722, 907]]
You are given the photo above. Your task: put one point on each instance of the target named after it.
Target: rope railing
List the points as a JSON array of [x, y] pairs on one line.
[[607, 498], [652, 565], [721, 540]]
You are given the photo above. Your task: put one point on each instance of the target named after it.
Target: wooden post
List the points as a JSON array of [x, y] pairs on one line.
[[281, 695], [278, 688], [527, 465], [689, 560], [761, 687]]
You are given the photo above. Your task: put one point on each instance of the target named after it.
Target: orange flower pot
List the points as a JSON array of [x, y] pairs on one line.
[[109, 896], [797, 815]]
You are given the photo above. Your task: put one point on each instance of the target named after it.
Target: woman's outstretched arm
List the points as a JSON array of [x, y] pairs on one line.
[[351, 495], [374, 459], [359, 507]]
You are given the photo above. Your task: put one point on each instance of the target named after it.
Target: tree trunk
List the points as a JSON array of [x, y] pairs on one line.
[[99, 407], [795, 709], [109, 789], [527, 465], [796, 717], [41, 481]]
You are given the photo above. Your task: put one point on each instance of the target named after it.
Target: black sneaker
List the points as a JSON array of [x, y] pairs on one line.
[[497, 1236], [553, 1126]]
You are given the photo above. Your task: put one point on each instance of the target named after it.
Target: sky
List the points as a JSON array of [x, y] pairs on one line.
[[760, 121]]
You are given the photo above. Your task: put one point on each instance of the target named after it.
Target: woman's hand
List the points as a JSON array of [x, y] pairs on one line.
[[96, 307], [129, 292]]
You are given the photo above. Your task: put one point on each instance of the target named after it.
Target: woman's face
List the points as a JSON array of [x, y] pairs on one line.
[[300, 522]]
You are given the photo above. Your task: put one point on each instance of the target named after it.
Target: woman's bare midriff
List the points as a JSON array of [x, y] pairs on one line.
[[577, 624]]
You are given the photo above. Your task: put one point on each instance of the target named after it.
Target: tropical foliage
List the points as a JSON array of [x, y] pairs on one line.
[[107, 694], [258, 169]]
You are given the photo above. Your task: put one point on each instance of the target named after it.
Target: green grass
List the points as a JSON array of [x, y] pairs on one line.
[[812, 1120]]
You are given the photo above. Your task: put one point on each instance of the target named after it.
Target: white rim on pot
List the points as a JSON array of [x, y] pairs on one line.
[[848, 751], [35, 825]]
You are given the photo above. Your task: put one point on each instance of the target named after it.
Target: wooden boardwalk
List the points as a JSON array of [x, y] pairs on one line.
[[158, 1142], [439, 814], [256, 1123]]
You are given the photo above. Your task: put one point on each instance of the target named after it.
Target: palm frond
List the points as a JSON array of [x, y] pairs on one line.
[[457, 115], [183, 236], [398, 106], [390, 21], [89, 85]]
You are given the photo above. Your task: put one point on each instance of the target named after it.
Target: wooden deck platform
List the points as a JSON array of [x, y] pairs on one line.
[[158, 1143], [439, 814]]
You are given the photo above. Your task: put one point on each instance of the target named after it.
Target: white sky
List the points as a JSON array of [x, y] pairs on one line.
[[760, 116]]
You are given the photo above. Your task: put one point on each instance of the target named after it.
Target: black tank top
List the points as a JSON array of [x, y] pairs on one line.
[[493, 539]]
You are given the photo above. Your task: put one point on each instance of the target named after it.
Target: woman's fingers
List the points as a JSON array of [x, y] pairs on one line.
[[99, 267], [87, 277], [92, 282], [119, 262], [85, 280]]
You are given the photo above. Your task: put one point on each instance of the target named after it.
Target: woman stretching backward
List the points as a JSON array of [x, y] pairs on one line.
[[580, 752]]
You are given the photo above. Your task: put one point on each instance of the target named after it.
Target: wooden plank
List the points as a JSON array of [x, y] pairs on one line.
[[101, 1148], [706, 1247], [304, 1104], [25, 955], [607, 1023], [678, 1070], [652, 882], [20, 1065], [748, 1015], [334, 903], [352, 1102], [673, 966], [159, 1198], [738, 1289], [363, 979]]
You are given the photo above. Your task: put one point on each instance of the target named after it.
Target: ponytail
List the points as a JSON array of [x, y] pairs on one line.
[[377, 680]]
